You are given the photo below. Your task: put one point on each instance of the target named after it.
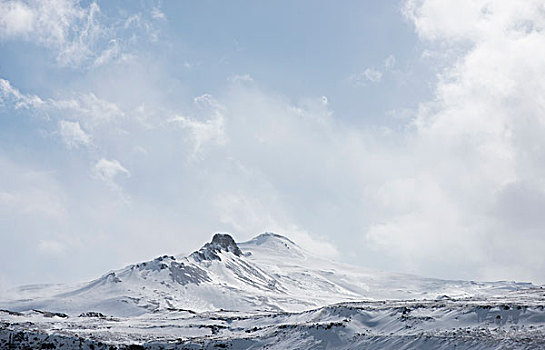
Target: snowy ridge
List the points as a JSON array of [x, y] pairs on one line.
[[270, 293], [514, 321], [267, 273]]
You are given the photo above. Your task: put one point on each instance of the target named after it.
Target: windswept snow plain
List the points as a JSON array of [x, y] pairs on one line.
[[269, 293]]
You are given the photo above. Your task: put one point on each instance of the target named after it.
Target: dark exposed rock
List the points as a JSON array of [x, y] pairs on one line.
[[13, 313], [220, 243], [184, 274], [51, 314], [92, 314], [112, 277]]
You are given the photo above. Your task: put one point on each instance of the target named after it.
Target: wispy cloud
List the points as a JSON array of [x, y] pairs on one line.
[[88, 108], [107, 170], [11, 95], [78, 34], [72, 134], [372, 75], [369, 75], [210, 130], [62, 25], [248, 213], [158, 14]]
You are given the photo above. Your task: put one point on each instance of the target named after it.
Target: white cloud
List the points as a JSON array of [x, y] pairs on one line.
[[78, 34], [16, 19], [72, 134], [209, 130], [315, 243], [369, 75], [203, 132], [248, 216], [372, 75], [389, 63], [156, 13], [91, 110], [9, 94], [141, 22], [454, 192], [478, 140], [244, 214], [62, 25], [88, 108], [242, 78], [133, 20], [112, 52], [106, 170]]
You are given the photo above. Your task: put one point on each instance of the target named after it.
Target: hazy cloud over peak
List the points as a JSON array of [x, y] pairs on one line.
[[421, 153]]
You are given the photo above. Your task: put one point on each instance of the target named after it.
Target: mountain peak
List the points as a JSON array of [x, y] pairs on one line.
[[274, 245], [271, 236], [225, 241], [220, 242]]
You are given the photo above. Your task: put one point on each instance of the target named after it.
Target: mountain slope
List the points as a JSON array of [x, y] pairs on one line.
[[267, 273]]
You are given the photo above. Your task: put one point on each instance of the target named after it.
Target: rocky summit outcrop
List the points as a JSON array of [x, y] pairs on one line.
[[221, 242]]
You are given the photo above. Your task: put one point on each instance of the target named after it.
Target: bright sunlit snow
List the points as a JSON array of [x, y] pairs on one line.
[[271, 291], [387, 139]]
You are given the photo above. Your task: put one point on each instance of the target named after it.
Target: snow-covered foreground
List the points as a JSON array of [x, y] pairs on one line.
[[270, 293], [516, 321]]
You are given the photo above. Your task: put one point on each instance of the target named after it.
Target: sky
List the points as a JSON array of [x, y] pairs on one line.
[[405, 136]]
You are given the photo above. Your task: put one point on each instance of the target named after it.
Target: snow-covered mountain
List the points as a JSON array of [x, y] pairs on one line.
[[269, 293], [267, 273]]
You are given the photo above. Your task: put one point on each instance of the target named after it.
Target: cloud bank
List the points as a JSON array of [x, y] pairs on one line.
[[132, 164], [476, 172]]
